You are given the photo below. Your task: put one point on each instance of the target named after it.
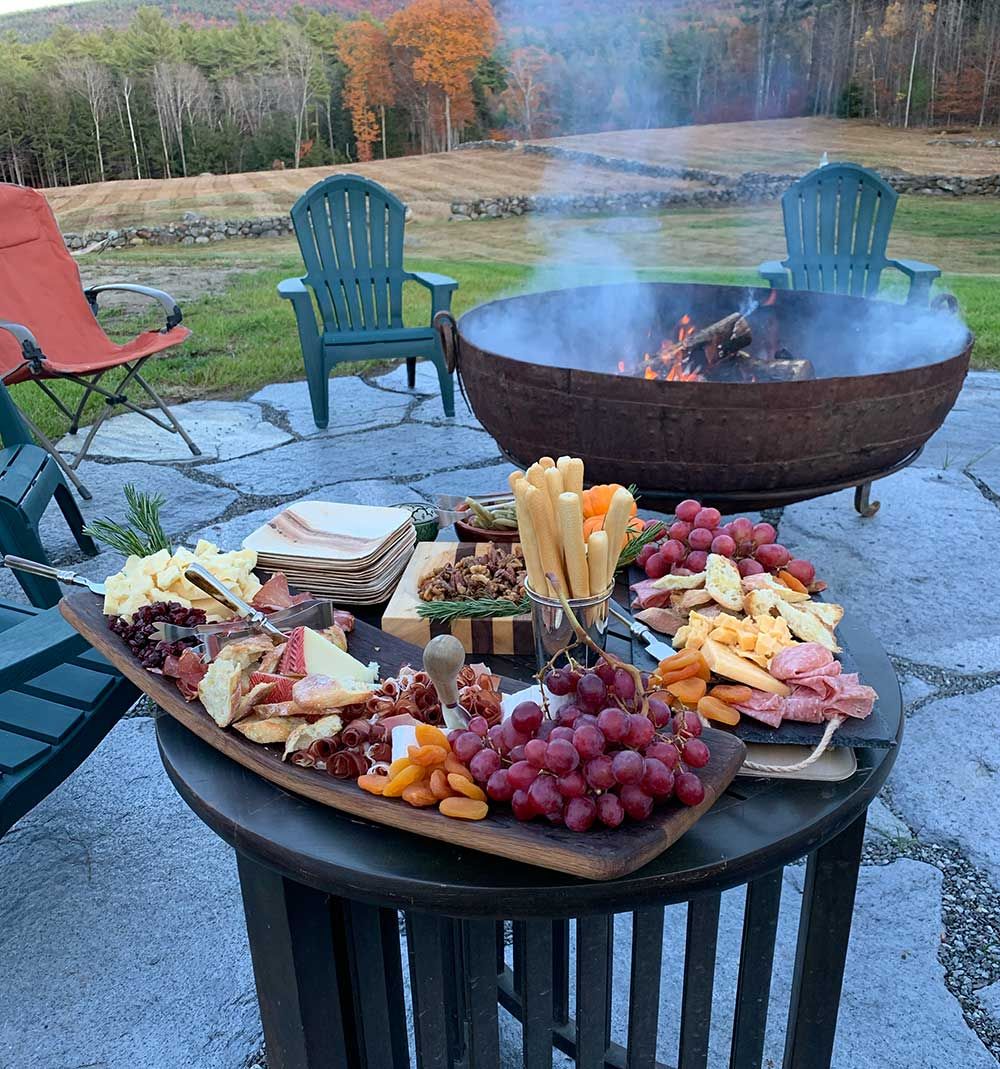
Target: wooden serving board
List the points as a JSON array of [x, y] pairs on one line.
[[498, 634], [596, 855]]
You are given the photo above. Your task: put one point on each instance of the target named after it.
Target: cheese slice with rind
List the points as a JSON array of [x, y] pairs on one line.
[[724, 662], [310, 653]]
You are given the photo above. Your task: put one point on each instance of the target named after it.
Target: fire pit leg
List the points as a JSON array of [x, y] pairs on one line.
[[861, 503]]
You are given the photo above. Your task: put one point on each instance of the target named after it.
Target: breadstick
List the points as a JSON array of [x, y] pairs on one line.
[[546, 463], [562, 464], [615, 524], [597, 561], [548, 544], [528, 537], [574, 549], [554, 487], [514, 478]]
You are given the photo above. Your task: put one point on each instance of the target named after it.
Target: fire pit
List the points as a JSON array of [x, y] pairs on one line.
[[740, 397]]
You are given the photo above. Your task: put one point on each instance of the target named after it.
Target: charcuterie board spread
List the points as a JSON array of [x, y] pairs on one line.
[[603, 853], [592, 770]]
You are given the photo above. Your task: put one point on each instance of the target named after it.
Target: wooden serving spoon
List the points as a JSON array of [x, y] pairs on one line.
[[444, 657]]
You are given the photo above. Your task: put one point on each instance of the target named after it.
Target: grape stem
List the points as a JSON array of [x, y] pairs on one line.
[[583, 637]]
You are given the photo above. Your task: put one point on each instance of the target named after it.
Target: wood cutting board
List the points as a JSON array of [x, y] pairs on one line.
[[600, 854], [498, 634]]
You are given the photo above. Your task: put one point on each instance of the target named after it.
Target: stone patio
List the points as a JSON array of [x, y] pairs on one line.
[[122, 939]]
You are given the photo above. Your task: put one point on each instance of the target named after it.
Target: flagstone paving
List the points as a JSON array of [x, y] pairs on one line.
[[125, 911]]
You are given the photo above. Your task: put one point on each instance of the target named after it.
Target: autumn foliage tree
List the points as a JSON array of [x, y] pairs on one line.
[[526, 95], [445, 40], [363, 48]]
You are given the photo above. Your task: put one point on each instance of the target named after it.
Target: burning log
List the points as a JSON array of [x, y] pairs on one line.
[[720, 340], [717, 353]]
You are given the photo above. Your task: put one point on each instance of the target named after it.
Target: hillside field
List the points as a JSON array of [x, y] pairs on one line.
[[429, 183]]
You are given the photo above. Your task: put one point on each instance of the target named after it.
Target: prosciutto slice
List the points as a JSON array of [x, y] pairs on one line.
[[646, 596], [821, 689]]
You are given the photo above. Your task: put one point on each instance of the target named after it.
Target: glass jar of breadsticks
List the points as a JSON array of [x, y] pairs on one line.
[[560, 558]]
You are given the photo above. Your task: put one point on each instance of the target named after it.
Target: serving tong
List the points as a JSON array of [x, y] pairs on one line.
[[447, 505]]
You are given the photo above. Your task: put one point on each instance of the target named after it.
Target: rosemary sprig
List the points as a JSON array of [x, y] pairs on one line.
[[474, 608], [637, 541], [141, 534]]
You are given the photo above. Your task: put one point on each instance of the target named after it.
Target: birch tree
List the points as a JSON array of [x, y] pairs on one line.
[[91, 80]]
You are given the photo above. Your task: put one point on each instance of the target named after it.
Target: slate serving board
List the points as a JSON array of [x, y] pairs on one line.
[[873, 732], [600, 854]]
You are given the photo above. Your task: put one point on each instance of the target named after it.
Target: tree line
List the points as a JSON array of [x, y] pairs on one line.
[[161, 99]]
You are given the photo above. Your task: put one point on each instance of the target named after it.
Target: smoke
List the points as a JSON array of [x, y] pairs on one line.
[[611, 314]]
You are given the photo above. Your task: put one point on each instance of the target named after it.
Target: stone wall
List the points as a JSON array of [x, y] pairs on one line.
[[191, 230], [747, 188]]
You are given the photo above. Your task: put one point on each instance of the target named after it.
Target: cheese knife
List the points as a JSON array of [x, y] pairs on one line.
[[655, 646]]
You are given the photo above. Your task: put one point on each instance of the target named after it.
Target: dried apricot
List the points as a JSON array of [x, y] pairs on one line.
[[426, 756], [713, 709], [688, 690], [677, 660], [429, 735], [687, 671], [398, 765], [398, 783], [466, 786], [439, 784], [452, 765], [792, 583], [373, 784], [463, 808], [732, 693], [419, 794]]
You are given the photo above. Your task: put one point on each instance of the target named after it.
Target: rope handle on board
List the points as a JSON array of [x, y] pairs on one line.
[[821, 748]]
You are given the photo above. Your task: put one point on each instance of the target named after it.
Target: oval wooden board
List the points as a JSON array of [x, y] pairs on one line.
[[600, 854]]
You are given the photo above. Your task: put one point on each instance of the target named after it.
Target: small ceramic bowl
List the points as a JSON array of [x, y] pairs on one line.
[[468, 533]]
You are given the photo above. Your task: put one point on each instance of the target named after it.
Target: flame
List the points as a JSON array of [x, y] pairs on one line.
[[668, 363]]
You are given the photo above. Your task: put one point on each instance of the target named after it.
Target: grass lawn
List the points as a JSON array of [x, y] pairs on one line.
[[244, 337]]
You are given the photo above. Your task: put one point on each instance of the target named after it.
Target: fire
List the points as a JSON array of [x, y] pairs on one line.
[[668, 363]]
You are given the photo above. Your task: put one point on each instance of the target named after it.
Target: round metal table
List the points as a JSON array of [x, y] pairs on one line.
[[323, 893]]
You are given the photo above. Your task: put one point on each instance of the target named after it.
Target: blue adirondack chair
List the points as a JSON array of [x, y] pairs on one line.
[[350, 232], [837, 223]]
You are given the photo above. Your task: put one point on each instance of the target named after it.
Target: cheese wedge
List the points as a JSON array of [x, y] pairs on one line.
[[310, 653], [724, 662]]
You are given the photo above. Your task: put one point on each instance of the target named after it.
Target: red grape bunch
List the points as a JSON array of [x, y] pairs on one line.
[[599, 759], [699, 531], [138, 634]]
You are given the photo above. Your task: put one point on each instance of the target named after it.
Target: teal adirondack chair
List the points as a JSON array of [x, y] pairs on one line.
[[350, 232], [58, 699], [30, 479], [837, 223]]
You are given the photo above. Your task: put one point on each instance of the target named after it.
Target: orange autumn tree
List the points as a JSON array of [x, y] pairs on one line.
[[445, 40], [363, 48]]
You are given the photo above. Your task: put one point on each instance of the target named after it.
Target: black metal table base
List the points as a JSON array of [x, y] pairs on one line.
[[329, 975]]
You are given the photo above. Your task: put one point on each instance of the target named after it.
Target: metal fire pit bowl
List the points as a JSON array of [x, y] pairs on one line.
[[540, 374]]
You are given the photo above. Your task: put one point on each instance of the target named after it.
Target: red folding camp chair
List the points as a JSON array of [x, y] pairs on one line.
[[52, 330]]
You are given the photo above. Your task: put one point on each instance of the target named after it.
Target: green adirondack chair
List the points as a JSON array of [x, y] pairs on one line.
[[58, 699], [30, 479], [350, 232], [837, 223]]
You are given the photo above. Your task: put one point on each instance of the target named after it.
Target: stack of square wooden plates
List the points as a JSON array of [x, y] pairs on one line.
[[350, 553]]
